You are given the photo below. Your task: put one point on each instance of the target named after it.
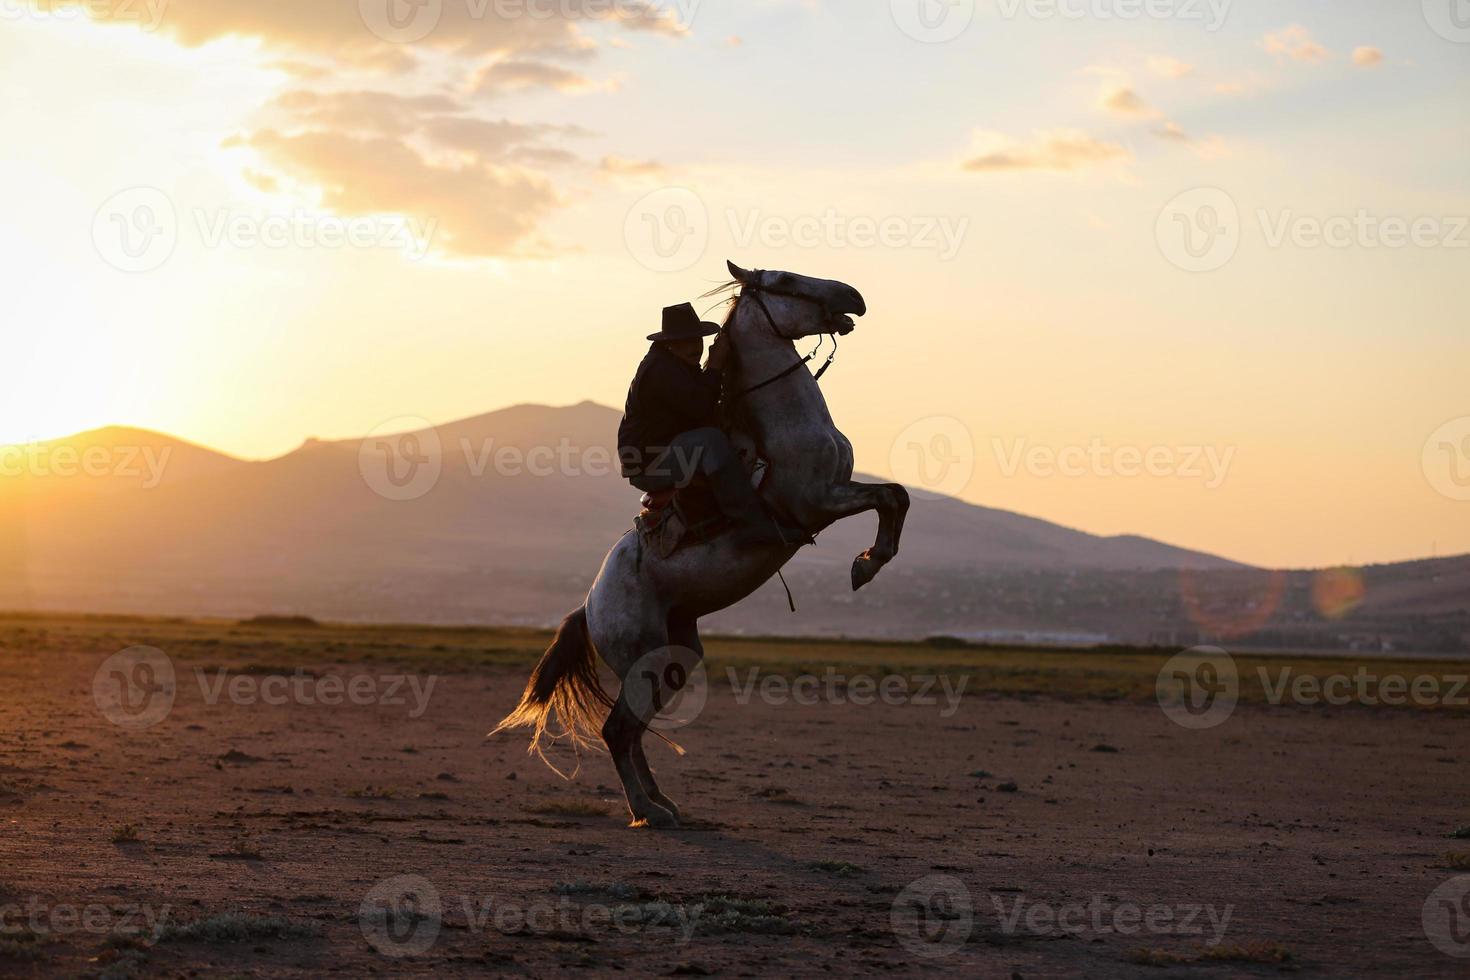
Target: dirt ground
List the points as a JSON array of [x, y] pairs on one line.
[[1018, 836]]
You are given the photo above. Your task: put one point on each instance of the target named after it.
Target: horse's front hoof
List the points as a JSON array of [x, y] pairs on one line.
[[864, 570]]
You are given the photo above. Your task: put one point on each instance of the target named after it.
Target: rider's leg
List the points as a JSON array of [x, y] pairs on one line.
[[708, 452]]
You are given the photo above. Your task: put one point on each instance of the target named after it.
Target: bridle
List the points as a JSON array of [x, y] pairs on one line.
[[755, 294]]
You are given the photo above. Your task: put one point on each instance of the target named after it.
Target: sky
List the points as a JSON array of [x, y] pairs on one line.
[[1188, 269]]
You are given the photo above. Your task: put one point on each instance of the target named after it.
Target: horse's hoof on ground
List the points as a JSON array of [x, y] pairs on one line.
[[657, 818], [864, 570]]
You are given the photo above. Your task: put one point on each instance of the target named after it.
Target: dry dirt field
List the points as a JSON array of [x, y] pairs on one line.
[[1053, 822]]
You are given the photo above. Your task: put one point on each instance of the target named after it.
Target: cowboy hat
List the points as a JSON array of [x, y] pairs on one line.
[[682, 323]]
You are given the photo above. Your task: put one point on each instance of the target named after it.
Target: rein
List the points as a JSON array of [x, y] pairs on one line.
[[755, 293]]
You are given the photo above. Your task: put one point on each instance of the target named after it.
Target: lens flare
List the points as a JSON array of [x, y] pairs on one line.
[[1336, 592], [1231, 604]]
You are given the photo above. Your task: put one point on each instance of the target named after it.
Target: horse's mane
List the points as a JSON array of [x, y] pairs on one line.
[[729, 293]]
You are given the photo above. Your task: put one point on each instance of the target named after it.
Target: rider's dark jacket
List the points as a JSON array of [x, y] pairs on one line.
[[668, 396]]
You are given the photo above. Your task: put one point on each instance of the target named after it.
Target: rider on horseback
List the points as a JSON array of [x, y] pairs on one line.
[[670, 433]]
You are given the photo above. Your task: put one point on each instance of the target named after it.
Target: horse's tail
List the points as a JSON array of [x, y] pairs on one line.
[[564, 681]]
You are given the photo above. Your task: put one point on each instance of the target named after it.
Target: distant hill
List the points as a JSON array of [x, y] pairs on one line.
[[525, 504], [117, 457]]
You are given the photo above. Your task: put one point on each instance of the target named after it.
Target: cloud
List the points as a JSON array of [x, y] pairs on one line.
[[515, 75], [346, 28], [261, 182], [1295, 42], [1252, 84], [615, 166], [476, 208], [500, 140], [1167, 67], [427, 149], [1172, 131], [1124, 101], [1367, 57], [477, 181], [1209, 148], [360, 111], [1061, 151]]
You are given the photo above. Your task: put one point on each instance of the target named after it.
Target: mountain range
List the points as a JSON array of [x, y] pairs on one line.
[[504, 518]]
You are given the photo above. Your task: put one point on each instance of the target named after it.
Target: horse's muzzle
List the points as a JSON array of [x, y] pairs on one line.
[[841, 324]]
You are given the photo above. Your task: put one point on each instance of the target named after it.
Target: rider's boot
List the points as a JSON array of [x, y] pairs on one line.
[[739, 502]]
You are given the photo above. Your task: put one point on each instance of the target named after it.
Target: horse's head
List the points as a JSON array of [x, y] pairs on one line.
[[801, 306]]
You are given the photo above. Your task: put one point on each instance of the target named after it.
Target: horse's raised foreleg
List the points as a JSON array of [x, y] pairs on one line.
[[891, 501]]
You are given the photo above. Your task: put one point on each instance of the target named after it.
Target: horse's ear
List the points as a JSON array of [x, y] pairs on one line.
[[740, 274]]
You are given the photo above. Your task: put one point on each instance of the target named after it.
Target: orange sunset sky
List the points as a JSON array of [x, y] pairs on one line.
[[1072, 232]]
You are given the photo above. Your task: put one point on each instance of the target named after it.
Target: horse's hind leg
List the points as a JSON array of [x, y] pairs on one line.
[[628, 645], [623, 732], [645, 776], [683, 632]]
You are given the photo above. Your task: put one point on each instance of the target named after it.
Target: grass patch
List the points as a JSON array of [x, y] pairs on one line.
[[126, 833], [1257, 952], [1462, 833], [278, 622], [709, 915], [1104, 673], [373, 793], [726, 914], [240, 850], [126, 966], [617, 889], [15, 949], [1157, 957], [569, 808], [842, 869], [1457, 860], [123, 941], [23, 943], [235, 927]]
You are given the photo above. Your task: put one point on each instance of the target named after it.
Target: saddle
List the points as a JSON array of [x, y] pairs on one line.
[[679, 517]]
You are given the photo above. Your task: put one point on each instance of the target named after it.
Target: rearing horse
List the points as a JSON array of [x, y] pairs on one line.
[[645, 610]]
